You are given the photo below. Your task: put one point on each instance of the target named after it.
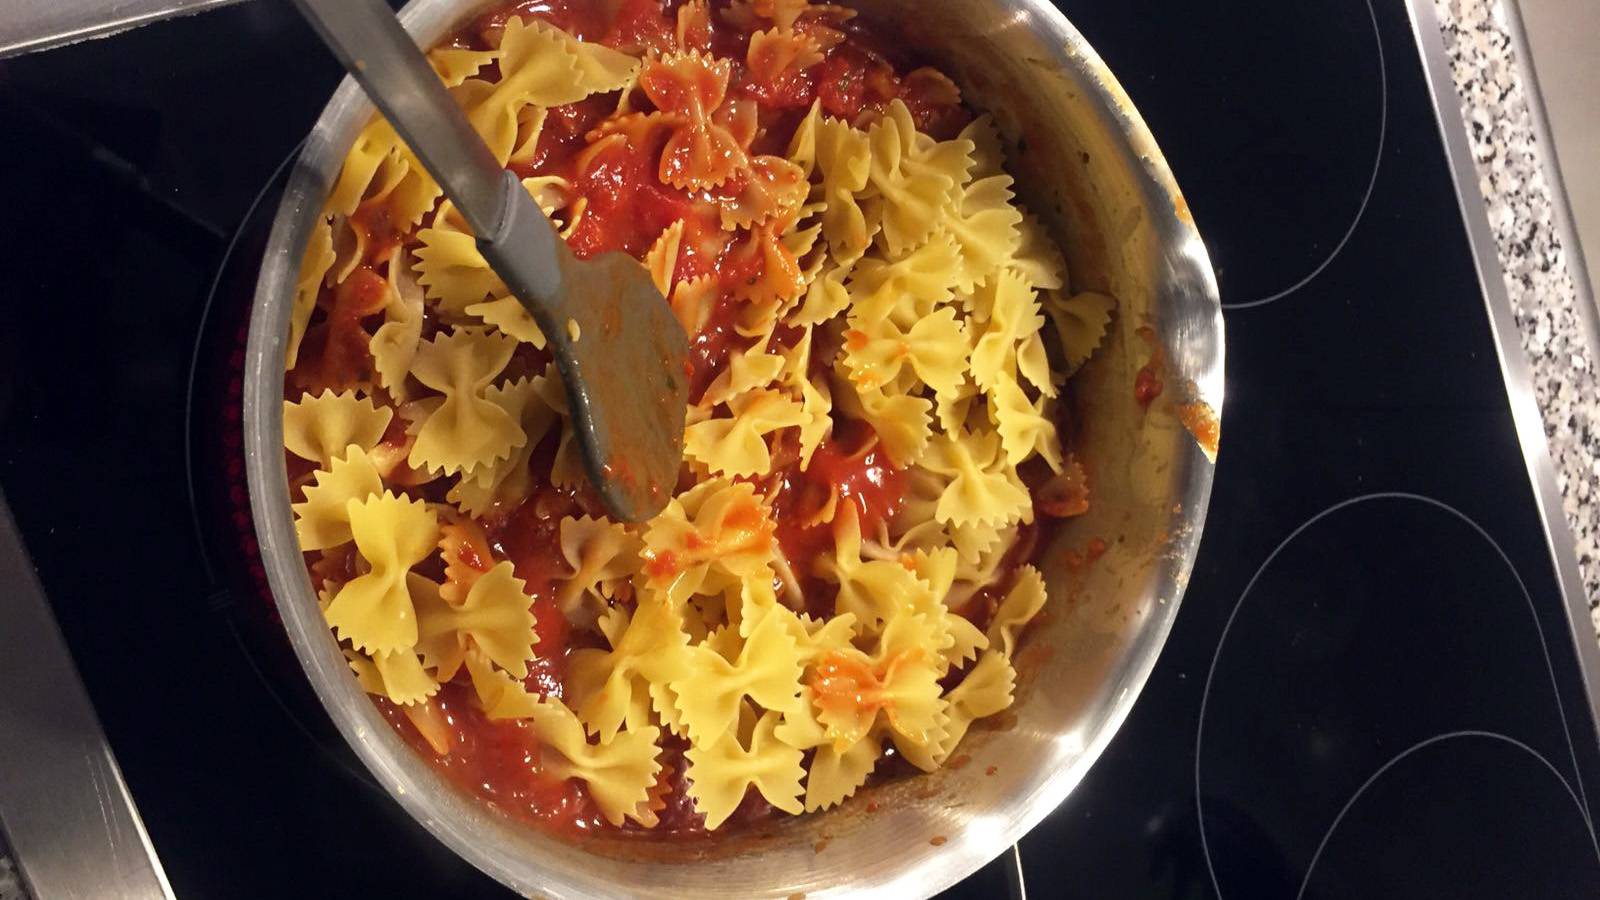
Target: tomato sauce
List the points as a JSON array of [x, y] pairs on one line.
[[1202, 422], [335, 352], [1149, 382], [848, 462], [497, 761], [678, 817], [711, 346], [382, 233]]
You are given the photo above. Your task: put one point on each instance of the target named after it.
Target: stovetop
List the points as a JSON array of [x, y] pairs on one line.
[[1372, 687]]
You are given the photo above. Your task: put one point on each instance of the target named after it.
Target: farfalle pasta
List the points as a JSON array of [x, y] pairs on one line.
[[375, 611], [880, 338], [467, 431]]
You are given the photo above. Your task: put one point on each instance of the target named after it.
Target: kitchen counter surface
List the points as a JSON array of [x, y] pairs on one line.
[[1557, 330]]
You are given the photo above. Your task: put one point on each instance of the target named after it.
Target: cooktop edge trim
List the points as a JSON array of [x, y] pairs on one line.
[[1514, 368], [65, 809]]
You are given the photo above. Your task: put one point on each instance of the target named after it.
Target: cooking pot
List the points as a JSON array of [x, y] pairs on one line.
[[1086, 164]]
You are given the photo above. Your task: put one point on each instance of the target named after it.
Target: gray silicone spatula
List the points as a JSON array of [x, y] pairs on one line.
[[620, 350]]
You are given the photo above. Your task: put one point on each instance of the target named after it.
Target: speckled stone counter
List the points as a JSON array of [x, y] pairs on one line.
[[1490, 83]]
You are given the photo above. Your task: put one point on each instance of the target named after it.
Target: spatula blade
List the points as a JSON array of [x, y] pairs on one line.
[[620, 350]]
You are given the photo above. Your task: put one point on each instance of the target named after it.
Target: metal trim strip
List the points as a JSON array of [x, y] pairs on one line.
[[65, 811], [41, 24]]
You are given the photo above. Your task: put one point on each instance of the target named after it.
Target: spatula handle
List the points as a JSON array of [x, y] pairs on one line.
[[370, 42]]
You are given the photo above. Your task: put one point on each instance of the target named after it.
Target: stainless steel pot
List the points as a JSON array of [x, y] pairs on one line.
[[1086, 163]]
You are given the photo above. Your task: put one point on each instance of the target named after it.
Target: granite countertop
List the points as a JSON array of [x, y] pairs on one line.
[[1490, 82]]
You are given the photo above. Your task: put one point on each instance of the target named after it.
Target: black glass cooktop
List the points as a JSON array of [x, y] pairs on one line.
[[1371, 689]]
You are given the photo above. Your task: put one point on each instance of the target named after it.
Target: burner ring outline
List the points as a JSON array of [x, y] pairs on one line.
[[1423, 745], [1372, 182], [1222, 640]]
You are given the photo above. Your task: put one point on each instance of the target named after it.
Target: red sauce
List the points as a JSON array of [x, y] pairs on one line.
[[678, 817], [848, 461], [1202, 422], [640, 27], [583, 19], [1078, 560], [334, 353], [841, 84], [528, 534], [711, 346], [1148, 384], [498, 761], [628, 207], [845, 683], [548, 672], [374, 220], [564, 134], [1064, 495]]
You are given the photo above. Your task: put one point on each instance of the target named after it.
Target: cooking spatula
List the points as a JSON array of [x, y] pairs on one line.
[[620, 350]]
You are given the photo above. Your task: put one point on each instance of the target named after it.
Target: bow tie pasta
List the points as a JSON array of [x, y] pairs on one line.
[[880, 335]]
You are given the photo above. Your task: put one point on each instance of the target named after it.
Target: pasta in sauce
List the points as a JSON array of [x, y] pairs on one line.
[[873, 441]]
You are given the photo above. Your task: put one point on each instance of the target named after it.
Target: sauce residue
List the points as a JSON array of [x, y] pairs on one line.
[[1078, 560], [1202, 422], [1148, 383]]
